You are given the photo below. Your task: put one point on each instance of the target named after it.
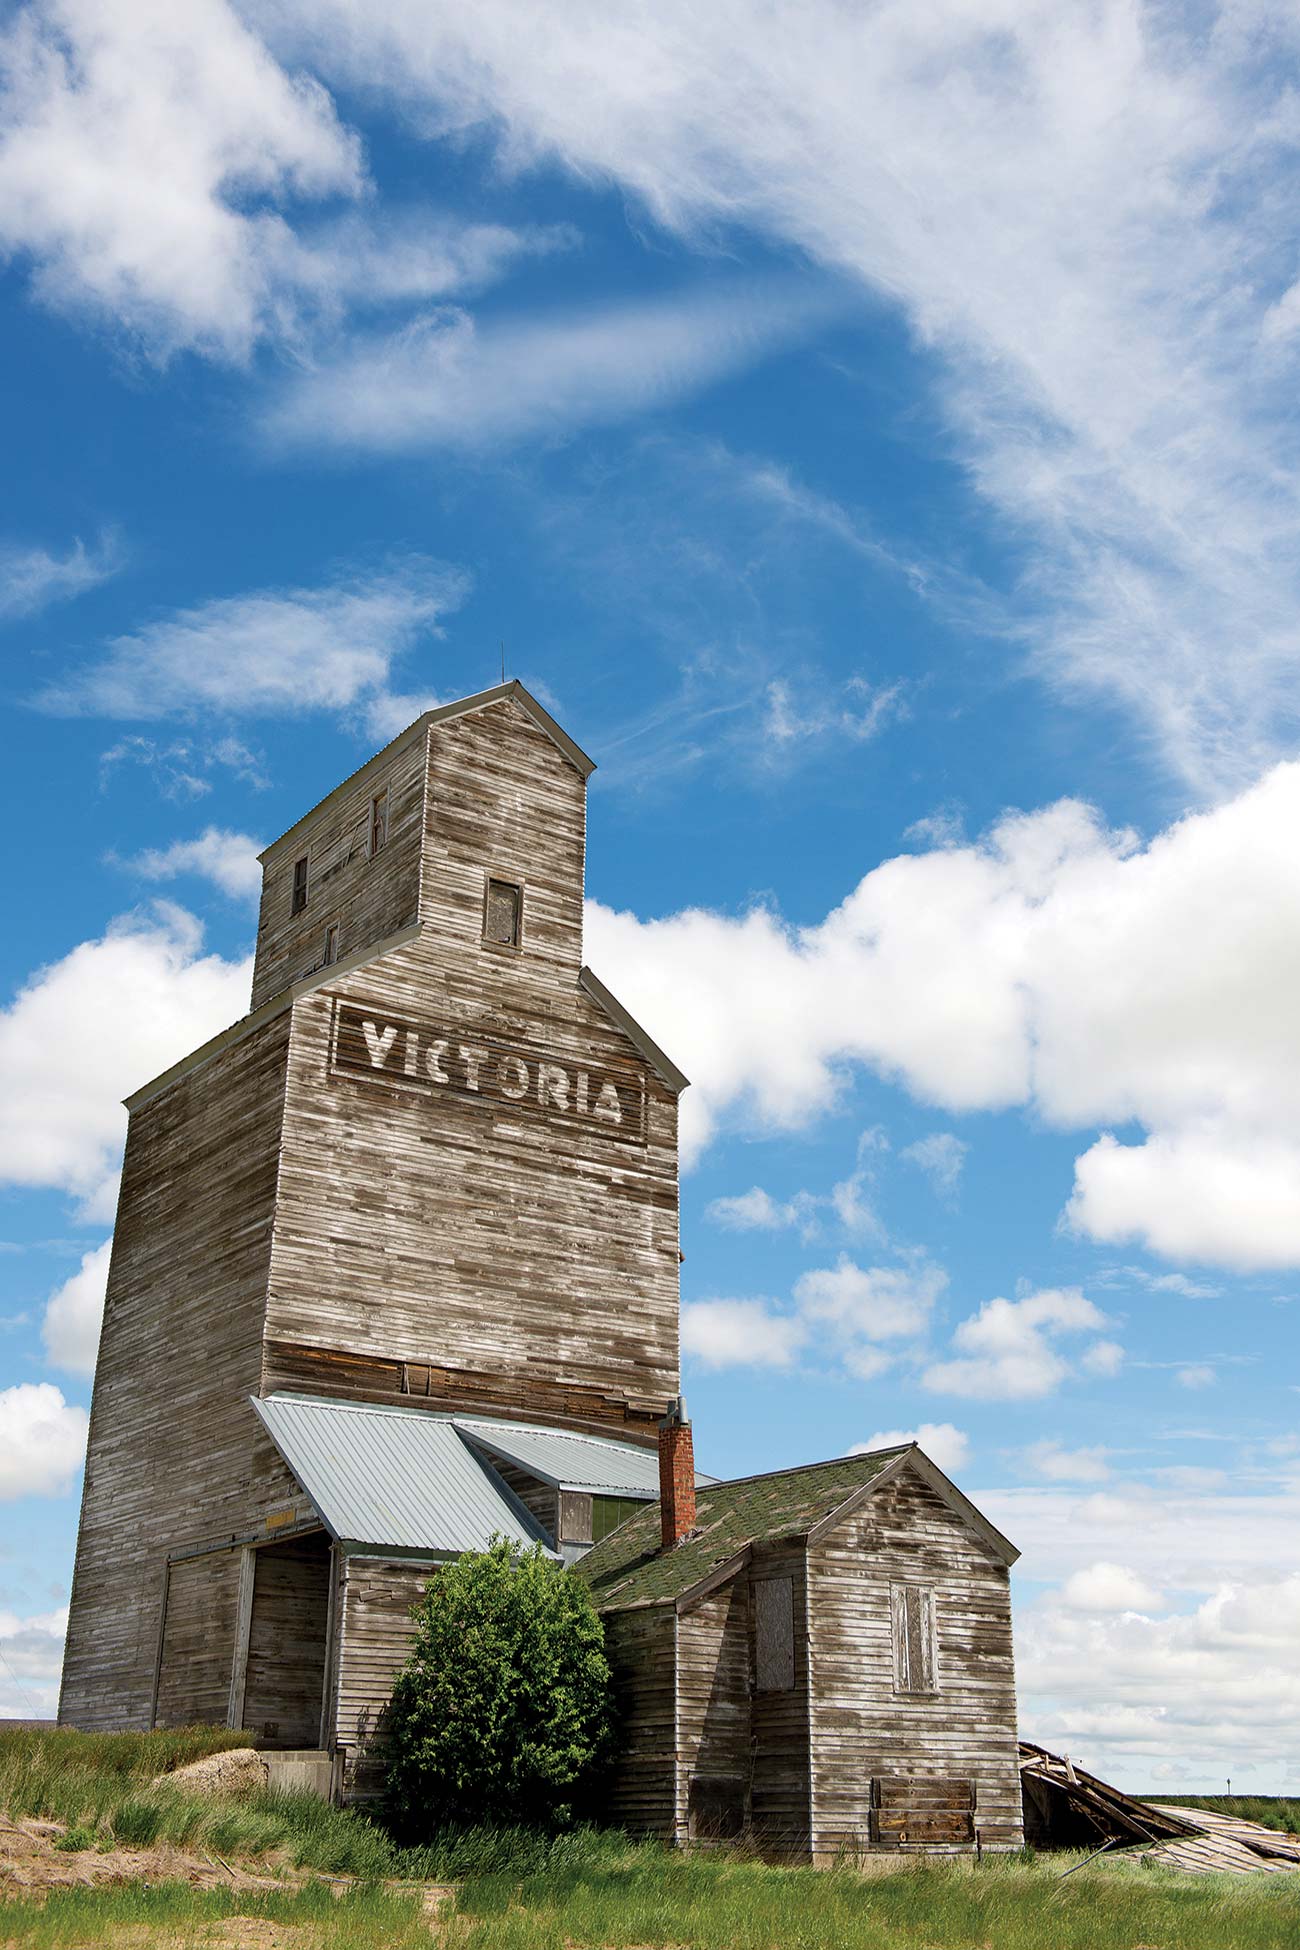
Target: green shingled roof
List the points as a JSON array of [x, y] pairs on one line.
[[629, 1568]]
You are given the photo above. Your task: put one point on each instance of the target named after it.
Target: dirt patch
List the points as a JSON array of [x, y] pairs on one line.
[[30, 1863], [240, 1770]]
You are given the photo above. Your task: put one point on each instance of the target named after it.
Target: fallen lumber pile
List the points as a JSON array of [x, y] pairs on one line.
[[1066, 1807]]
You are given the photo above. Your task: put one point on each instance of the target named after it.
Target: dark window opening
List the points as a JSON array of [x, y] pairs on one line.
[[716, 1808], [774, 1635], [300, 884], [913, 1624], [331, 954], [378, 821], [502, 913], [608, 1512]]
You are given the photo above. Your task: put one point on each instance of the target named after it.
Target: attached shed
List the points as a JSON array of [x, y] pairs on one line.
[[823, 1662]]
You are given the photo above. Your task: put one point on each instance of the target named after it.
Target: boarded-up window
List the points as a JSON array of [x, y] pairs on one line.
[[378, 822], [331, 954], [502, 913], [774, 1634], [913, 1621], [922, 1812], [300, 884], [716, 1808]]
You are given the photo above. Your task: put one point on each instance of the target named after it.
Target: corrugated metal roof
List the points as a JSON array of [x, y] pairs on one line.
[[570, 1462], [393, 1476]]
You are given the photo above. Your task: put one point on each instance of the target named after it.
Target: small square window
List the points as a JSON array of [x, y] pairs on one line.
[[378, 821], [331, 954], [503, 912], [300, 884]]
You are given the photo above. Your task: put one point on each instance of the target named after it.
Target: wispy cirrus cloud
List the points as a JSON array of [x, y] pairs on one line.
[[1083, 213], [449, 380], [33, 578], [272, 652]]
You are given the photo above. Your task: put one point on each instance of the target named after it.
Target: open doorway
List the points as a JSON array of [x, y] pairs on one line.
[[287, 1635]]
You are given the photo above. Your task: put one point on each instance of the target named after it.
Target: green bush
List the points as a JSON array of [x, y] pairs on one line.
[[502, 1714]]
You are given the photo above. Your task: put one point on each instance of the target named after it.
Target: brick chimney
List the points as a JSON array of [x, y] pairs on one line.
[[676, 1475]]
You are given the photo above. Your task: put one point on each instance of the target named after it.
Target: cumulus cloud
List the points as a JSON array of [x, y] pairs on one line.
[[1108, 1588], [229, 860], [447, 380], [944, 1444], [278, 651], [31, 1660], [740, 1334], [757, 1211], [42, 1440], [1196, 1376], [1053, 964], [84, 1032], [31, 579], [1007, 1351], [74, 1313]]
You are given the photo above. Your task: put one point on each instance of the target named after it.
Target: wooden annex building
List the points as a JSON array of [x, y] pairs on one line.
[[396, 1269]]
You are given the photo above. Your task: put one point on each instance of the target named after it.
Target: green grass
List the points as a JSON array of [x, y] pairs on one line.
[[1270, 1810], [656, 1899], [171, 1913]]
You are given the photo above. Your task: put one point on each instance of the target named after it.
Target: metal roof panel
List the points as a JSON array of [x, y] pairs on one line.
[[398, 1477], [588, 1463]]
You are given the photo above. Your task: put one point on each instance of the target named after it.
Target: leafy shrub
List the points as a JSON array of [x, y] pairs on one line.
[[502, 1714]]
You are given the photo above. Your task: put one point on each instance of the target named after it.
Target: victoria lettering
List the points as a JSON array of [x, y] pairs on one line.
[[430, 1058]]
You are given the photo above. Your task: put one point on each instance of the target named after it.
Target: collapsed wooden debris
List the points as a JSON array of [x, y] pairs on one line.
[[1066, 1807]]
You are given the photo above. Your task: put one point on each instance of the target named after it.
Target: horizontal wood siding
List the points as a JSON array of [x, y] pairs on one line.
[[863, 1729], [176, 1458], [369, 899], [540, 1498], [286, 1642], [780, 1720], [374, 1640], [199, 1641], [714, 1663], [641, 1649]]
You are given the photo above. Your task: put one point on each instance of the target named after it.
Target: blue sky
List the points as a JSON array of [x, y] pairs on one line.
[[871, 430]]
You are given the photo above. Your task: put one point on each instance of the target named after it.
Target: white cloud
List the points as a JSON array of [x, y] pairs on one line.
[[1108, 1588], [87, 1030], [31, 1659], [33, 578], [1203, 1681], [941, 1157], [944, 1444], [1034, 185], [1058, 1465], [278, 651], [146, 154], [42, 1440], [1053, 965], [446, 380], [182, 767], [74, 1313], [860, 716], [739, 1334], [227, 859], [1007, 1351], [757, 1211], [872, 1303], [1197, 1376]]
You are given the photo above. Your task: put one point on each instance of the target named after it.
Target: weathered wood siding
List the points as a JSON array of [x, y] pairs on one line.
[[862, 1728], [540, 1498], [642, 1650], [779, 1806], [285, 1681], [714, 1747], [461, 1227], [176, 1458], [373, 1640], [198, 1640], [369, 899]]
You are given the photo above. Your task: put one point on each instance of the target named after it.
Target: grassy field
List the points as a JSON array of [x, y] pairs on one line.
[[593, 1890], [1270, 1810]]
